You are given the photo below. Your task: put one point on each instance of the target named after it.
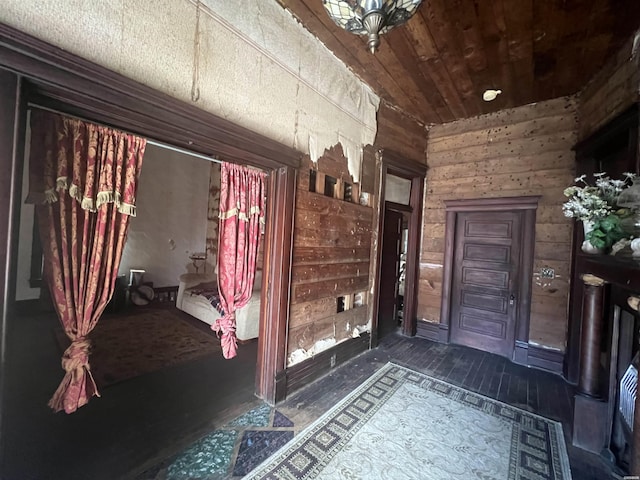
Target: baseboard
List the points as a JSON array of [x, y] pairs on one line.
[[521, 353], [313, 368], [428, 330], [551, 360], [443, 333]]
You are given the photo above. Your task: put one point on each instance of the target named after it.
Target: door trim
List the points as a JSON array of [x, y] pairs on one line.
[[395, 164], [529, 204], [60, 80]]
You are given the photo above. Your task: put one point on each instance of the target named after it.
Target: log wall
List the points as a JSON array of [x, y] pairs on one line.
[[401, 133], [613, 89], [331, 254], [515, 152]]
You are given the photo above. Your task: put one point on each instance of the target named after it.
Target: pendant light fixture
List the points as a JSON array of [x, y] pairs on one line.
[[370, 17]]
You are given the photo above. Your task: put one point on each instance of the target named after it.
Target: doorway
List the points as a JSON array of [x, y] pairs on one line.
[[80, 88], [393, 268], [487, 278], [395, 289]]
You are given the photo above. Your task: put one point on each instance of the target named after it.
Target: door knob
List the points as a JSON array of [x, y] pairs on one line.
[[512, 300]]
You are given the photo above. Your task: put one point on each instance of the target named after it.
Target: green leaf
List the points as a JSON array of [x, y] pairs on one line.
[[598, 243], [608, 223]]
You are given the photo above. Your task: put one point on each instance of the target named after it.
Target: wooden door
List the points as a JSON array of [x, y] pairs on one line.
[[486, 280], [389, 269]]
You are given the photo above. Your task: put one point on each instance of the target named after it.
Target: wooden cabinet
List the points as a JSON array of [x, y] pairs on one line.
[[612, 149], [603, 329]]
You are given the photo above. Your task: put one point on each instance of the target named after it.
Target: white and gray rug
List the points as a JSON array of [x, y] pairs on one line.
[[402, 424]]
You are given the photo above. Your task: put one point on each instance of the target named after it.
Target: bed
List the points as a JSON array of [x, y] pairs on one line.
[[195, 291]]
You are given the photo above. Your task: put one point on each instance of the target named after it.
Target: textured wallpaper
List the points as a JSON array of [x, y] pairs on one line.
[[249, 61]]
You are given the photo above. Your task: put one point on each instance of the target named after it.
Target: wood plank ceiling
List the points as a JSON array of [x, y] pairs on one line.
[[437, 66]]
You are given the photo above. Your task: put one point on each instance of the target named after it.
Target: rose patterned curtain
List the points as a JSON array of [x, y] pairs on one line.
[[242, 206], [85, 176]]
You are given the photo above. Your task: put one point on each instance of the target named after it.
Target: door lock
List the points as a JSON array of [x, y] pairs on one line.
[[512, 300]]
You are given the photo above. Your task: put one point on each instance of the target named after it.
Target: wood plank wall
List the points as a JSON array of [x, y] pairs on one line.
[[331, 252], [401, 133], [613, 89], [516, 152]]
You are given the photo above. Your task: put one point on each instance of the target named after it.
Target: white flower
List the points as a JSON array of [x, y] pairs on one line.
[[592, 202]]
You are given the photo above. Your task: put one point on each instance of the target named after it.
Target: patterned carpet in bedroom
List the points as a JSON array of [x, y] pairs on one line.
[[144, 341]]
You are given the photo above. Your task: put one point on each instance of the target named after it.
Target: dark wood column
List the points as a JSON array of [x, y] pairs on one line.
[[591, 337], [11, 154], [272, 343], [590, 408]]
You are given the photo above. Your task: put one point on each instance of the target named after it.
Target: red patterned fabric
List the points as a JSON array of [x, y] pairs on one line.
[[242, 204], [85, 176]]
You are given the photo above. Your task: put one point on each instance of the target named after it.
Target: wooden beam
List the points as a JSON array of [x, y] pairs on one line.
[[274, 300]]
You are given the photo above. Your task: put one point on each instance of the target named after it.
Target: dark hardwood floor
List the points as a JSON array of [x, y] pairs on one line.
[[534, 390], [134, 424], [140, 423]]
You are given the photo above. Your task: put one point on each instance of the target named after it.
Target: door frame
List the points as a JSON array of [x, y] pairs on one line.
[[62, 81], [529, 205], [395, 164]]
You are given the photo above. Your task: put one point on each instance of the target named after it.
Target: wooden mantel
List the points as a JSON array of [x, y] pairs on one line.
[[623, 271]]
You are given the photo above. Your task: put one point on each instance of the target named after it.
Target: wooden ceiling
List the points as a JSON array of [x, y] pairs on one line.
[[437, 66]]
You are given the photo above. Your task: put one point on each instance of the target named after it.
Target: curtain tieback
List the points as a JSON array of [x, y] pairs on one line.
[[225, 324], [225, 327], [76, 355]]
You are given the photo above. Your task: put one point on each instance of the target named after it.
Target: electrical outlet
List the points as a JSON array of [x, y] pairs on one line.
[[333, 360]]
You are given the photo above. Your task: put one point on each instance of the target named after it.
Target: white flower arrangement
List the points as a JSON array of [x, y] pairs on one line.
[[588, 203]]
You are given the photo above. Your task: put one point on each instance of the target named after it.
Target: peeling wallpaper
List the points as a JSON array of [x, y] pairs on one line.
[[248, 61]]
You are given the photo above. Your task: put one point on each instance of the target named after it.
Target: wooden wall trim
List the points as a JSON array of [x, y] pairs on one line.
[[521, 352], [275, 299], [412, 273], [526, 263], [303, 373], [395, 164], [402, 166], [428, 330], [447, 271], [12, 124], [63, 81], [545, 359], [501, 203], [378, 214]]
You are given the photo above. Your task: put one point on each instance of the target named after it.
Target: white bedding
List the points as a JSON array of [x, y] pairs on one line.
[[247, 318]]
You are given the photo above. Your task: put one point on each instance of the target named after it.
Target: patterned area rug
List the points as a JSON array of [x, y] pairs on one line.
[[128, 346], [401, 424]]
